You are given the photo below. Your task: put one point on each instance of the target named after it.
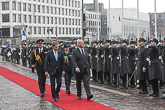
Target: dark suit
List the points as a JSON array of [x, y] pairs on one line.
[[54, 68], [81, 61], [40, 68]]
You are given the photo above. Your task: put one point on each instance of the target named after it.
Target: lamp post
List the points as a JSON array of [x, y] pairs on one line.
[[155, 19]]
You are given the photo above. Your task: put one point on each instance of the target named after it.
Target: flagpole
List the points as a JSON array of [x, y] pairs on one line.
[[122, 19], [138, 27], [109, 19], [155, 20], [98, 37]]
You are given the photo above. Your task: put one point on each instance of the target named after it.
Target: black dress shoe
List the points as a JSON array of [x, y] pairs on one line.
[[156, 95], [151, 94], [163, 98], [42, 94], [124, 88], [55, 100], [68, 92], [90, 97], [143, 92], [79, 98], [58, 97]]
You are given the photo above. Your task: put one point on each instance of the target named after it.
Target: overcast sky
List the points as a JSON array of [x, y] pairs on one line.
[[144, 5]]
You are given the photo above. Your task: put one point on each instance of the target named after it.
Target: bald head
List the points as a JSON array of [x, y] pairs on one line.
[[80, 43]]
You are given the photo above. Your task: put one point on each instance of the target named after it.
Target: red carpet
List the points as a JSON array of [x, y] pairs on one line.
[[66, 102]]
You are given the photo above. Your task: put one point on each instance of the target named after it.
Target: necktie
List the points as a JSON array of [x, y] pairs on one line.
[[56, 55], [40, 51], [83, 52]]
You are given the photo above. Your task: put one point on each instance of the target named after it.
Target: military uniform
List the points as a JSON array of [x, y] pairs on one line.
[[24, 56], [38, 59]]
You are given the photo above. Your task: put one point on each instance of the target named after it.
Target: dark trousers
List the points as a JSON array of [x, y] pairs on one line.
[[67, 80], [100, 76], [107, 76], [115, 79], [143, 85], [94, 74], [85, 78], [17, 61], [124, 80], [155, 86], [41, 81], [132, 82], [58, 81]]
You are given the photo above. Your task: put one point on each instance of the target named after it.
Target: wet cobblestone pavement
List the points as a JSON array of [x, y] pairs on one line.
[[13, 96]]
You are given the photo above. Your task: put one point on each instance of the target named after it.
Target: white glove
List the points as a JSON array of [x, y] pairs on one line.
[[90, 55], [160, 58], [102, 56], [109, 56], [96, 56], [144, 69], [147, 59], [136, 58], [118, 58]]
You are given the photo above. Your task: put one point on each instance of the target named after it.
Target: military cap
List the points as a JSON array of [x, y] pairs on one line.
[[155, 40], [40, 41], [124, 41], [100, 41], [107, 41], [66, 46], [86, 42], [93, 42], [114, 42], [132, 42], [142, 40]]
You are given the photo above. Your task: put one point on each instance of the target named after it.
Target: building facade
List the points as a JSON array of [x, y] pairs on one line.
[[104, 24], [41, 18], [93, 24], [130, 24], [160, 25]]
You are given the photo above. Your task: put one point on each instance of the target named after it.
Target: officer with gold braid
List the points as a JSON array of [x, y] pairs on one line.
[[38, 61]]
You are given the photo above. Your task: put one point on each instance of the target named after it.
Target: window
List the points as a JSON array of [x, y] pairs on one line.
[[59, 20], [29, 7], [70, 31], [43, 9], [66, 30], [63, 30], [72, 21], [51, 20], [24, 17], [5, 5], [30, 19], [55, 20], [34, 30], [59, 11], [47, 9], [51, 10], [43, 30], [19, 6], [39, 30], [55, 2], [73, 31], [78, 4], [34, 8], [34, 19], [69, 21], [14, 5], [66, 21], [59, 2], [24, 7], [66, 12], [43, 19], [62, 11], [14, 17], [19, 18], [59, 30], [62, 2], [55, 10], [66, 2], [39, 19], [62, 21], [30, 30], [38, 8], [47, 20]]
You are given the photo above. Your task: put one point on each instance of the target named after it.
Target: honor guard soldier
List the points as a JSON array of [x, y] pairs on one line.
[[124, 63], [17, 52], [154, 67], [24, 55], [107, 62], [142, 66], [132, 52], [3, 48], [93, 53], [67, 68], [38, 59], [115, 68]]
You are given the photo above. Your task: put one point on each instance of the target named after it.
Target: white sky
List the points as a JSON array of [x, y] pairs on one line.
[[144, 5]]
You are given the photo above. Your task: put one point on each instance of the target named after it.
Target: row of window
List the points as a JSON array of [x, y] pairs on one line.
[[43, 19], [93, 16], [93, 23], [44, 30], [70, 3]]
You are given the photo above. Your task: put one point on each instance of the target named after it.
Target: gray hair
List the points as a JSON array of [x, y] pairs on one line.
[[55, 43], [78, 41]]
